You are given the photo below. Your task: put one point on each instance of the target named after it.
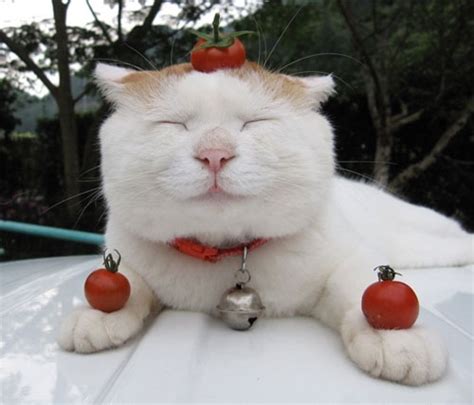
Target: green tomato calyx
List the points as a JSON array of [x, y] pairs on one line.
[[110, 263], [216, 39], [386, 273]]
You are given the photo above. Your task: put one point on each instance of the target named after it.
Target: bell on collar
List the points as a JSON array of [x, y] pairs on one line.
[[240, 306]]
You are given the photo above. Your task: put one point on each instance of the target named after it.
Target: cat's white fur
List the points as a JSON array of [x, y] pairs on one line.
[[327, 233]]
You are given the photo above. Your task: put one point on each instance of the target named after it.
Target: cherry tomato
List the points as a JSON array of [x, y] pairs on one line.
[[218, 51], [106, 289], [389, 304], [211, 59]]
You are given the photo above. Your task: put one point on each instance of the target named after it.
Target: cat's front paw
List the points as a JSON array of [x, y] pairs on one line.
[[410, 356], [88, 330]]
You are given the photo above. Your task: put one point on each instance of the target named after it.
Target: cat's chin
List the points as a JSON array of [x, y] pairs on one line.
[[217, 195]]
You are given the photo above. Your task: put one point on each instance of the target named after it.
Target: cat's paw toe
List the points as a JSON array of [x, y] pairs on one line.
[[67, 328], [121, 325], [89, 330], [411, 356]]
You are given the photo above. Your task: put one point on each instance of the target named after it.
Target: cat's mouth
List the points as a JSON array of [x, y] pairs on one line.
[[218, 194], [216, 188]]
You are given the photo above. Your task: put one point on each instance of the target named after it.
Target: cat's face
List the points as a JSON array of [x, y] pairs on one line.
[[229, 155]]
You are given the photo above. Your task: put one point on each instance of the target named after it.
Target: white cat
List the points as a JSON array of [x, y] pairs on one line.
[[239, 154]]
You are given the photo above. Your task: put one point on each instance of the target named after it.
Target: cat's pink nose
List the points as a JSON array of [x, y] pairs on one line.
[[215, 159]]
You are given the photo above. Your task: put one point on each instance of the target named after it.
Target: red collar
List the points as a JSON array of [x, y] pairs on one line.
[[212, 254]]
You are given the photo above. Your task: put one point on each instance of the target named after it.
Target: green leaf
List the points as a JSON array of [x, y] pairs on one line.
[[207, 37], [240, 33], [224, 42]]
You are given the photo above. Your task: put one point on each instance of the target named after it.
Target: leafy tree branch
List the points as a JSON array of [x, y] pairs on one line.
[[417, 168], [101, 25], [20, 51]]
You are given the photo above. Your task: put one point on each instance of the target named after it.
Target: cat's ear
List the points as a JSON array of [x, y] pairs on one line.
[[320, 88], [110, 80]]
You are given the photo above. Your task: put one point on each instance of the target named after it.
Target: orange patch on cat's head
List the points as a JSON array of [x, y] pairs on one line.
[[281, 87], [140, 78]]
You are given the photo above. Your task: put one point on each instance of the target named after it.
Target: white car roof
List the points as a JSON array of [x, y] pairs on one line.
[[191, 357]]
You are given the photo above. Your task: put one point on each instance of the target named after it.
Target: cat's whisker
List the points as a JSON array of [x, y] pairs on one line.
[[89, 170], [318, 54], [282, 34], [259, 33], [104, 213], [68, 199], [173, 41], [92, 199], [141, 55], [368, 162], [133, 177], [265, 45], [370, 179]]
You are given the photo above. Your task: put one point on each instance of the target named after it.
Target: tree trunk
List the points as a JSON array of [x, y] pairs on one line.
[[378, 95], [383, 153], [67, 118], [379, 112]]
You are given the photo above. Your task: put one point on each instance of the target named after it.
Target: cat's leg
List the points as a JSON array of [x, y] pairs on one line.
[[88, 330], [412, 356], [409, 235], [416, 249]]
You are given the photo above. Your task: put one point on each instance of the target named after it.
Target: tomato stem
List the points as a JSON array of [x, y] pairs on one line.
[[386, 273], [216, 39], [109, 261], [215, 27]]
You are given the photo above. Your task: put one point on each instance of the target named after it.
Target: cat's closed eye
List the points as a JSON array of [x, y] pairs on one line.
[[254, 121], [178, 123]]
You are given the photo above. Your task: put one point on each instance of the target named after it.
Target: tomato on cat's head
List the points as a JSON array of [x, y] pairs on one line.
[[213, 58], [218, 51], [235, 153]]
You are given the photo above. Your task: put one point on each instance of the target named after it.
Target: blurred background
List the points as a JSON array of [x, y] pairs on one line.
[[402, 113]]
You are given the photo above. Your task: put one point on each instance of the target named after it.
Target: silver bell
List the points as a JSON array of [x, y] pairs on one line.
[[240, 307]]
